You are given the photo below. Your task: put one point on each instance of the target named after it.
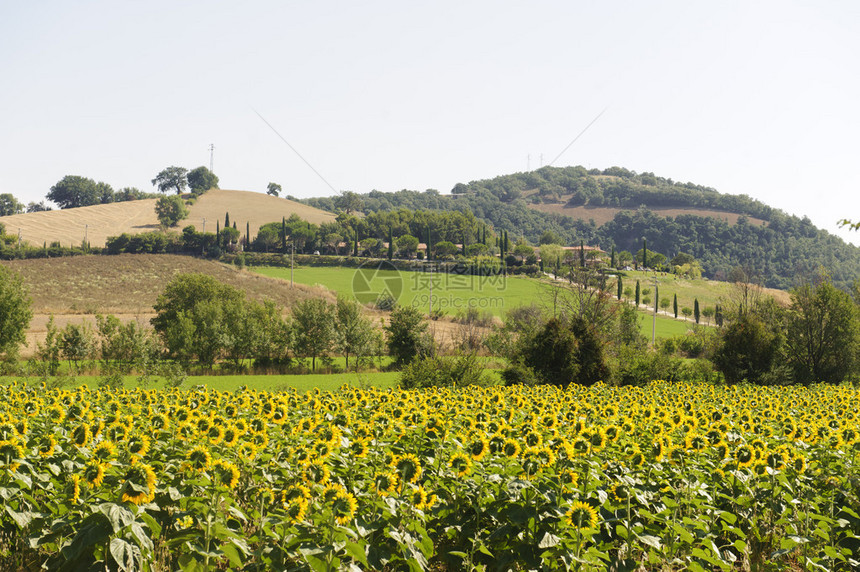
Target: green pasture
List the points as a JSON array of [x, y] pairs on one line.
[[451, 293]]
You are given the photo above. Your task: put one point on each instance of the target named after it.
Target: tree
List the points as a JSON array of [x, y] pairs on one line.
[[170, 210], [550, 354], [9, 205], [664, 304], [34, 207], [550, 237], [171, 178], [687, 312], [445, 249], [696, 312], [822, 333], [354, 334], [407, 245], [201, 180], [73, 191], [190, 316], [620, 287], [273, 189], [312, 329], [747, 350], [77, 343], [638, 292], [708, 313], [348, 202], [675, 305], [406, 335], [15, 313]]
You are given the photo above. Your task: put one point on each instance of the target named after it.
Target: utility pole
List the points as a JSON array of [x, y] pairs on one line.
[[292, 256], [211, 156], [430, 311]]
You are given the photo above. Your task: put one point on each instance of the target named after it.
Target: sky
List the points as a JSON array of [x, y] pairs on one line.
[[760, 98]]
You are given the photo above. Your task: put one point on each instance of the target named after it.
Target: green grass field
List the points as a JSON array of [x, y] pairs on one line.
[[299, 382], [451, 293]]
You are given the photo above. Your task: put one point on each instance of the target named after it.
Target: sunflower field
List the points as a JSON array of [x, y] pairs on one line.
[[662, 477]]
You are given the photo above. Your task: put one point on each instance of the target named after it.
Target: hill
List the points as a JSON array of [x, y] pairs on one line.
[[74, 289], [617, 208], [98, 222]]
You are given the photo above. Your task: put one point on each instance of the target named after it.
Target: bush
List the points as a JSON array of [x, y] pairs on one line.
[[433, 371]]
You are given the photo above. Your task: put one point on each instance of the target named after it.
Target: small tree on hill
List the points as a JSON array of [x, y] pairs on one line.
[[273, 189], [201, 180], [171, 178], [170, 210], [696, 312]]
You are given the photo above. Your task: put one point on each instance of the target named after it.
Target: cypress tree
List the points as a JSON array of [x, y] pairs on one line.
[[656, 298], [284, 234], [227, 220], [582, 253], [644, 254], [675, 306], [612, 262], [637, 293], [247, 235], [541, 265], [718, 315], [390, 244], [696, 309], [355, 242], [620, 287], [218, 233]]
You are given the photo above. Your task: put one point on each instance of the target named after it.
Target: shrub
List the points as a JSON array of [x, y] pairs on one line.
[[434, 371]]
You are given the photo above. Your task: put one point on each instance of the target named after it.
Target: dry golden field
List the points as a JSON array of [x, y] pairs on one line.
[[74, 289], [98, 222]]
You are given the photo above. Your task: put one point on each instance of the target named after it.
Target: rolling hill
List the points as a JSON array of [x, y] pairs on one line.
[[98, 222]]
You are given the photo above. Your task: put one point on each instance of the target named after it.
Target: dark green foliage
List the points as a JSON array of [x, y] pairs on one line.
[[73, 191], [406, 336], [15, 313], [437, 371], [675, 305], [171, 178], [201, 180], [170, 210], [313, 332], [589, 353], [748, 351], [638, 292], [145, 243], [620, 287], [822, 334], [696, 313], [551, 354]]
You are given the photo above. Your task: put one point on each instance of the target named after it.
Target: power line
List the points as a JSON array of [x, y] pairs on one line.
[[577, 137], [294, 150]]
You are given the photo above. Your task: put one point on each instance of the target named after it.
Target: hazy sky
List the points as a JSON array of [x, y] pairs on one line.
[[761, 98]]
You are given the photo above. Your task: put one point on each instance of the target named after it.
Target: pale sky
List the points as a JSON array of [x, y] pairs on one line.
[[761, 98]]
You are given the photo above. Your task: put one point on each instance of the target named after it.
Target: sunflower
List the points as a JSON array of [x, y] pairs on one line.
[[94, 473], [81, 435], [296, 508], [408, 467], [477, 447], [418, 497], [104, 451], [744, 455], [386, 483], [511, 448], [620, 492], [231, 435], [533, 439], [47, 446], [215, 434], [293, 491], [531, 463], [343, 507], [76, 488], [138, 445], [139, 484], [316, 472], [9, 452], [581, 516], [199, 458], [776, 460], [359, 448], [460, 463], [798, 463], [331, 491], [226, 473]]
